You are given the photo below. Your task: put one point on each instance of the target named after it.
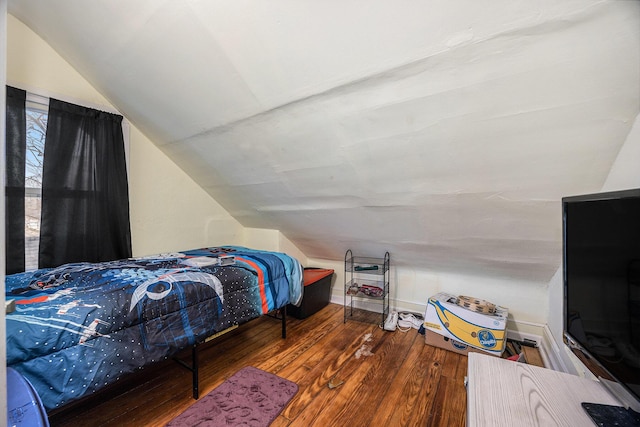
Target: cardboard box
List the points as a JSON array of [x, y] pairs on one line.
[[437, 340], [316, 295], [486, 332]]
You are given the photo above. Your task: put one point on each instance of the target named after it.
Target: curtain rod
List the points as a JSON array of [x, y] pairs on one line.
[[40, 93]]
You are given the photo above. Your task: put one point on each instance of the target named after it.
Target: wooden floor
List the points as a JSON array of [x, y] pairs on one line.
[[390, 378]]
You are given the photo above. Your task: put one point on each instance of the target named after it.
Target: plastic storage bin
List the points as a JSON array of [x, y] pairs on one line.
[[317, 292], [24, 407]]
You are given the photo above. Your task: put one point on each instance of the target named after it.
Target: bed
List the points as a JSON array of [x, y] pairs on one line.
[[81, 327]]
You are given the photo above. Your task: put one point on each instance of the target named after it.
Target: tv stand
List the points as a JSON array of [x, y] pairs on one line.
[[505, 393]]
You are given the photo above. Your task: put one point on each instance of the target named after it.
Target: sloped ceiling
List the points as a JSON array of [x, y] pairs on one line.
[[443, 131]]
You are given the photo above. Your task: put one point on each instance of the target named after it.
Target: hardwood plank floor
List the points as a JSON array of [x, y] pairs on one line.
[[388, 378]]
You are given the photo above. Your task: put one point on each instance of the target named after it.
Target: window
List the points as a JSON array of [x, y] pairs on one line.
[[36, 114], [47, 223]]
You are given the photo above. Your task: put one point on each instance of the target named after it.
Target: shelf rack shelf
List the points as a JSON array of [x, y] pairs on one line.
[[366, 283]]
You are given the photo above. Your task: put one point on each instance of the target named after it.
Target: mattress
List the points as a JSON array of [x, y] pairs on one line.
[[80, 327]]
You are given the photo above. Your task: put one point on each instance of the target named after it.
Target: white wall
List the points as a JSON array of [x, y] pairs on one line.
[[272, 240], [3, 330], [168, 210], [624, 174], [533, 306], [411, 288]]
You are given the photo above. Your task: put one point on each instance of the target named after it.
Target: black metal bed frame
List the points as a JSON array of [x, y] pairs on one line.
[[194, 365]]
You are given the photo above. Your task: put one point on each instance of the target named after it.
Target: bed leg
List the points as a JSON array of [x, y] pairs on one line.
[[284, 321], [194, 365]]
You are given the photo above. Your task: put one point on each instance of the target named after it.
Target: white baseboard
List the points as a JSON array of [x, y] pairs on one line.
[[549, 350], [372, 305], [364, 304], [552, 352], [541, 334]]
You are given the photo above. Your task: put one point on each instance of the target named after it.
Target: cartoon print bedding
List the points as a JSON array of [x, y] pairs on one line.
[[80, 327]]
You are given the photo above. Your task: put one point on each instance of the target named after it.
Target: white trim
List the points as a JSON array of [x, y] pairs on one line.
[[126, 132], [552, 351], [37, 102], [3, 82], [549, 350]]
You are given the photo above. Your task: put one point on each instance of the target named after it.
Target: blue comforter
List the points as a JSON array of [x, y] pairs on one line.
[[80, 327]]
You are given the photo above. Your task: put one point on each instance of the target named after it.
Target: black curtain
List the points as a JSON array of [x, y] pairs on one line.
[[15, 155], [85, 199]]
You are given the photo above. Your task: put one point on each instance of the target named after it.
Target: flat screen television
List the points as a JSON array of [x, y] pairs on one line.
[[601, 265]]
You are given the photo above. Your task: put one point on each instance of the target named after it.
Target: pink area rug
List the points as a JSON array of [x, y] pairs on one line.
[[250, 397]]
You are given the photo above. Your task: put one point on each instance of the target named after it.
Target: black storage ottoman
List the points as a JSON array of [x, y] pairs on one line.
[[317, 292]]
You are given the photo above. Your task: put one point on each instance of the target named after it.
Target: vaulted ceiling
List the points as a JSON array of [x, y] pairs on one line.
[[443, 131]]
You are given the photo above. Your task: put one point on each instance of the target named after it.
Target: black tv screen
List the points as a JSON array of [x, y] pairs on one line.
[[601, 249]]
